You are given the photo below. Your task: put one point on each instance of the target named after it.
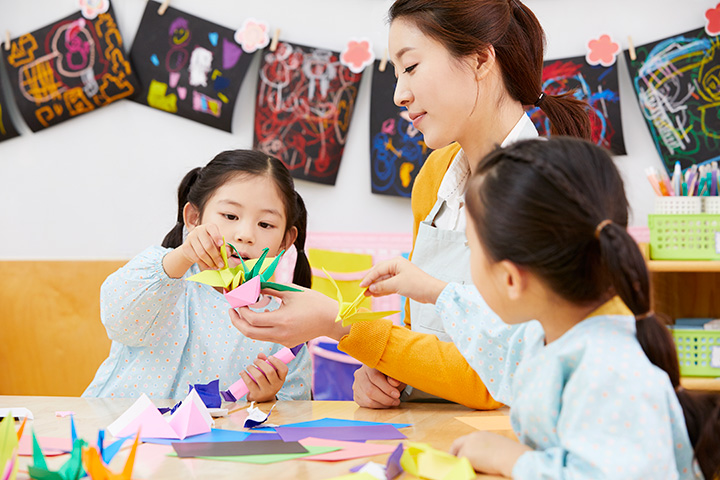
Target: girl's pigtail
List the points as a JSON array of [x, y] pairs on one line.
[[302, 274], [630, 279], [174, 237]]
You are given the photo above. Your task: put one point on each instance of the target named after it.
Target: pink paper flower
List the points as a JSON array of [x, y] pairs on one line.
[[712, 27], [602, 51], [253, 35], [357, 55], [92, 8]]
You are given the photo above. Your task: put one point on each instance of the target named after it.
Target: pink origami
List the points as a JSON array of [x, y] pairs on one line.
[[245, 294], [191, 418], [712, 27], [602, 51]]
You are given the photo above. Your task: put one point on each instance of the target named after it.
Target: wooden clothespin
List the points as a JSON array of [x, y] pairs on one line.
[[275, 39], [7, 40], [163, 7], [631, 49], [383, 62]]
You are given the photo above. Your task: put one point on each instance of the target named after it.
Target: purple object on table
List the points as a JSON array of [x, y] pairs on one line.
[[209, 393], [353, 434], [393, 467]]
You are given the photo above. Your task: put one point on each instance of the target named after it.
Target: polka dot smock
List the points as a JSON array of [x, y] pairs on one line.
[[169, 333], [590, 404]]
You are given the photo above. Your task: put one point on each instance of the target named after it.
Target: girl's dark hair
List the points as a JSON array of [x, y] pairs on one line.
[[543, 205], [200, 183], [467, 27]]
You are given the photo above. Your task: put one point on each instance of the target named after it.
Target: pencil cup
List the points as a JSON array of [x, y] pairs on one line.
[[711, 205], [678, 205]]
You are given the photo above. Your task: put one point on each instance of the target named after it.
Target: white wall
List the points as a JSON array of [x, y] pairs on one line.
[[102, 186]]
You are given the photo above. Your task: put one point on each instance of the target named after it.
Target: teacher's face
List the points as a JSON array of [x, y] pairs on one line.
[[438, 90]]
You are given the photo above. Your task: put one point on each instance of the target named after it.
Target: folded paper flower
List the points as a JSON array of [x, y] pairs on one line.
[[191, 418], [242, 284], [349, 312]]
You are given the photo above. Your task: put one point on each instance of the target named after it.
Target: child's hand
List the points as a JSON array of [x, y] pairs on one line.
[[489, 452], [202, 246], [266, 379], [401, 276]]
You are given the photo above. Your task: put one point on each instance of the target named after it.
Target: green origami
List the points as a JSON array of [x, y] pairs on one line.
[[229, 278], [71, 470]]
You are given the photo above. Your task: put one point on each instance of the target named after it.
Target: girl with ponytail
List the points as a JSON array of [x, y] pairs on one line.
[[168, 333], [563, 330]]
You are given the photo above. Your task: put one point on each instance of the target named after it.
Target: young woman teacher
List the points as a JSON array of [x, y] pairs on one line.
[[465, 70]]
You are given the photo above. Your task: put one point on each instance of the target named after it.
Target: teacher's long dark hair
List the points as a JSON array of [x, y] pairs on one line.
[[552, 218], [199, 184]]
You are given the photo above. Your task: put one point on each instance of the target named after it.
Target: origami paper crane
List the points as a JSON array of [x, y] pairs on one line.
[[96, 462], [242, 284], [71, 470], [9, 447], [191, 418], [349, 312]]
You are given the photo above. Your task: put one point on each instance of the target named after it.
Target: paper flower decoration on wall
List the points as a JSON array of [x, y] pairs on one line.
[[357, 55], [92, 8], [712, 27], [242, 284], [350, 312], [252, 35], [602, 51]]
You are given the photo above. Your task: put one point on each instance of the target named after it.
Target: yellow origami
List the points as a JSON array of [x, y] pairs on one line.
[[349, 312], [9, 447], [424, 461]]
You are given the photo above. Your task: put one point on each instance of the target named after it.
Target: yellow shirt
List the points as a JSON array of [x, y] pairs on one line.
[[420, 359]]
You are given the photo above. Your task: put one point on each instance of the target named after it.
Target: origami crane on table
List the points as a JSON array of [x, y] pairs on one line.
[[242, 284], [349, 312], [95, 460], [9, 446]]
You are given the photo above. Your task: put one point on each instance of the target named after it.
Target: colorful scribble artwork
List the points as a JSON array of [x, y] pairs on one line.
[[7, 128], [676, 83], [188, 66], [71, 67], [397, 148], [598, 86], [305, 101]]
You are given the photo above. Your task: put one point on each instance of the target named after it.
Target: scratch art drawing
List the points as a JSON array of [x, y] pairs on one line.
[[71, 67], [305, 101]]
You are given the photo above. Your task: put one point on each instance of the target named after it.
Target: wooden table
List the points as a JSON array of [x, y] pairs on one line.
[[434, 424]]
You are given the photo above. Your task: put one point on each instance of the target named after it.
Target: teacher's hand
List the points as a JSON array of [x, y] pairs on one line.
[[399, 275], [301, 317], [374, 389]]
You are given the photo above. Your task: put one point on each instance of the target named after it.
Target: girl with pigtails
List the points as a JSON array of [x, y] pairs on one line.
[[168, 333]]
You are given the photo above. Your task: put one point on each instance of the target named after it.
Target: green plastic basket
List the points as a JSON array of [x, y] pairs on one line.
[[684, 237], [698, 351]]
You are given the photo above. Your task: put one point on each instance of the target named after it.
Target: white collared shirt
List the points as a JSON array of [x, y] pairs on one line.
[[452, 189]]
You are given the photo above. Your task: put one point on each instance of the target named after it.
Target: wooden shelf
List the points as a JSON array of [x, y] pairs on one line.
[[683, 265], [701, 383]]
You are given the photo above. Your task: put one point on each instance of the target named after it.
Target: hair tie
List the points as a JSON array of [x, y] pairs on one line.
[[645, 315], [540, 99], [600, 227]]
